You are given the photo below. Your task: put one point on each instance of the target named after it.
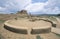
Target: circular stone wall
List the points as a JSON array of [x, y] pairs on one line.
[[25, 26]]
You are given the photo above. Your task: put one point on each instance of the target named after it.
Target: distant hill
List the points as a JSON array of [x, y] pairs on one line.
[[45, 14]]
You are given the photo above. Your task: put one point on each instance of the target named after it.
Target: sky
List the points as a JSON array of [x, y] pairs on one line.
[[32, 6]]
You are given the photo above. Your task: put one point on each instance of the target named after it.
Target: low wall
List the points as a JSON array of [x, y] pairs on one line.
[[16, 30], [39, 31], [24, 30]]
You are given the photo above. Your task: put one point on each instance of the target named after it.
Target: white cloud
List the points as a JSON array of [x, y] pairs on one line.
[[49, 7], [54, 10], [53, 3], [1, 8], [52, 7], [35, 7], [13, 5]]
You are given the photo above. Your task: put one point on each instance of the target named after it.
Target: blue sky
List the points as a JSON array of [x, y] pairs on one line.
[[32, 6]]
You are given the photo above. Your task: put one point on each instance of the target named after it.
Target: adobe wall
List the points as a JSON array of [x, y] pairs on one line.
[[16, 30], [39, 31], [24, 30]]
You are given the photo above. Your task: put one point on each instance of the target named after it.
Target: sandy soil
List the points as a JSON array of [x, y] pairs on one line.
[[11, 35]]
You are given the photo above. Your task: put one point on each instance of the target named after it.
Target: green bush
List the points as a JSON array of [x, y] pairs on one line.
[[16, 18], [58, 35], [38, 37]]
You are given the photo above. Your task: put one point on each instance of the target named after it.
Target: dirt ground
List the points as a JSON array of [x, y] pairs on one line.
[[6, 34]]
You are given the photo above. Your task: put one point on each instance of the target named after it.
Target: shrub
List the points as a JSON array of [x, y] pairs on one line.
[[38, 37], [16, 18]]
